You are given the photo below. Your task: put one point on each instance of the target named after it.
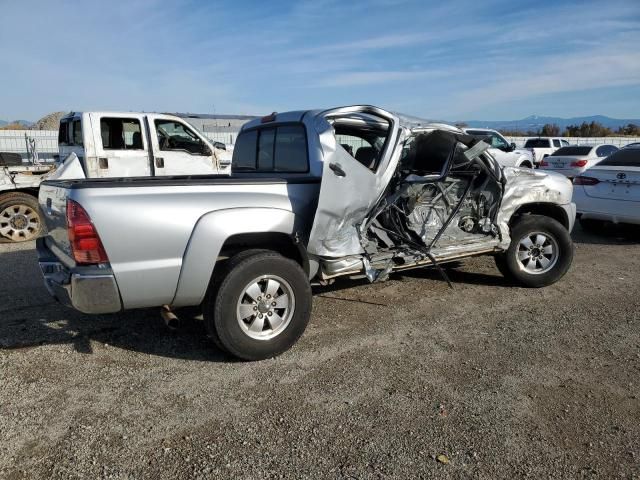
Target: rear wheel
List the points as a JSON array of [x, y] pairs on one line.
[[540, 253], [20, 217], [260, 307]]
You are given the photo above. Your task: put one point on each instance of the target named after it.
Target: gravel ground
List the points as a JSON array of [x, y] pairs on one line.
[[405, 379]]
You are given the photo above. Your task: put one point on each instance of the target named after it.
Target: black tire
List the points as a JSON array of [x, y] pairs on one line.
[[556, 233], [221, 303], [592, 225], [35, 222], [212, 292], [501, 263]]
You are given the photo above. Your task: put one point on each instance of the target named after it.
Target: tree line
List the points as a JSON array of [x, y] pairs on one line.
[[586, 129]]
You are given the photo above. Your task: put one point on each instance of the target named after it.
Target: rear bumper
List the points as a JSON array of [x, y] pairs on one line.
[[567, 172], [87, 289], [608, 209]]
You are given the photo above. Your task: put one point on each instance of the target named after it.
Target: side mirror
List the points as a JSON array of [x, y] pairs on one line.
[[512, 146]]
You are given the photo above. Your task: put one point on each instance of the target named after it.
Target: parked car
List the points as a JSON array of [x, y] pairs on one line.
[[299, 208], [575, 159], [541, 147], [504, 152], [610, 191], [130, 144], [632, 145]]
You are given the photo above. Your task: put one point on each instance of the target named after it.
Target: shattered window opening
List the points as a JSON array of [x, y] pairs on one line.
[[439, 198]]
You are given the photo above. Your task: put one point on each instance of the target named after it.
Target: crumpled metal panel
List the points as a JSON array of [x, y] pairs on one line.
[[525, 186], [345, 201]]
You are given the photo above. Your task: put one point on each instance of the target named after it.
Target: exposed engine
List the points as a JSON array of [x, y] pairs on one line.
[[443, 194]]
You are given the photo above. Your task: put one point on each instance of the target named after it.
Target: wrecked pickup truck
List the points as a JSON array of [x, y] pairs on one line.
[[313, 195]]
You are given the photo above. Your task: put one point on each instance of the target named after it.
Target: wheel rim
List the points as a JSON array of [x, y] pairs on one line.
[[19, 223], [537, 252], [265, 307]]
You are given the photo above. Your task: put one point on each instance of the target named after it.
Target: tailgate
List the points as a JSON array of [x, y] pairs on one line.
[[561, 162], [53, 203]]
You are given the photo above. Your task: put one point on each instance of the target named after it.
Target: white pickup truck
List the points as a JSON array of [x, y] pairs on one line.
[[130, 144], [504, 152], [107, 144], [541, 147]]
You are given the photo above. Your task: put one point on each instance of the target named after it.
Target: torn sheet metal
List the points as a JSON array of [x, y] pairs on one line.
[[349, 190], [525, 186]]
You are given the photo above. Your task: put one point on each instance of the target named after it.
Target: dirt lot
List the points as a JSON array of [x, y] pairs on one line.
[[506, 382]]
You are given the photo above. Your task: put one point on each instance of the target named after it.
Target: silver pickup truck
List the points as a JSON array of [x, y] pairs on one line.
[[314, 195]]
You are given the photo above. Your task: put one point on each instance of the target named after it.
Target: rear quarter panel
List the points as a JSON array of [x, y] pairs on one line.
[[146, 230]]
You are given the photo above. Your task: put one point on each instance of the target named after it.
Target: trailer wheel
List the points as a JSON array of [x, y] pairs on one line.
[[20, 217]]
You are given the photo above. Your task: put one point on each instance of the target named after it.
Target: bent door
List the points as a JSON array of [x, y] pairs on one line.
[[358, 148], [121, 146], [178, 149]]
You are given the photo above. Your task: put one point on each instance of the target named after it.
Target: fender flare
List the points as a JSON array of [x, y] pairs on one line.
[[208, 237]]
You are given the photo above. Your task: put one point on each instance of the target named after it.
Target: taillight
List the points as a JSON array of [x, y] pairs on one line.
[[543, 163], [579, 163], [85, 242], [580, 180]]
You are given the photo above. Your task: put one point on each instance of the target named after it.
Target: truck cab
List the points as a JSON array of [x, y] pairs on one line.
[[130, 144], [504, 152], [542, 147]]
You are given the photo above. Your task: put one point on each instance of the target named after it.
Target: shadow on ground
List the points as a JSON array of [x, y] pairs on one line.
[[29, 318]]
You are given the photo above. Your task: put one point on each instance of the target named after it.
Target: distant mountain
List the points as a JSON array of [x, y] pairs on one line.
[[535, 122], [25, 123]]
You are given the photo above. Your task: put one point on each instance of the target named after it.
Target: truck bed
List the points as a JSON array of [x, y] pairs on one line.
[[148, 224]]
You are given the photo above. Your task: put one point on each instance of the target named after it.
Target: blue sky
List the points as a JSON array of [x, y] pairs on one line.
[[451, 60]]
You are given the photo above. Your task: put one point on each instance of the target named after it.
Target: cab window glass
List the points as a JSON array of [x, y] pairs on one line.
[[77, 132], [266, 145], [291, 150], [498, 142], [121, 134], [175, 136], [282, 149], [244, 153]]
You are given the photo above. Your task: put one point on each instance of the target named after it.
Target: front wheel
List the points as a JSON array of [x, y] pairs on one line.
[[261, 306], [540, 253]]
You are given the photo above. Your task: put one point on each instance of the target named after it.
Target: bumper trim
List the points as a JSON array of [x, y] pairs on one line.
[[89, 289], [87, 293]]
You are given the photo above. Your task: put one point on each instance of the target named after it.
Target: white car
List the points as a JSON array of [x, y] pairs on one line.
[[504, 152], [571, 161], [610, 191]]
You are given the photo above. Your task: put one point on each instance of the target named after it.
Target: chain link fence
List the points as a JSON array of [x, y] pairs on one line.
[[17, 141]]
